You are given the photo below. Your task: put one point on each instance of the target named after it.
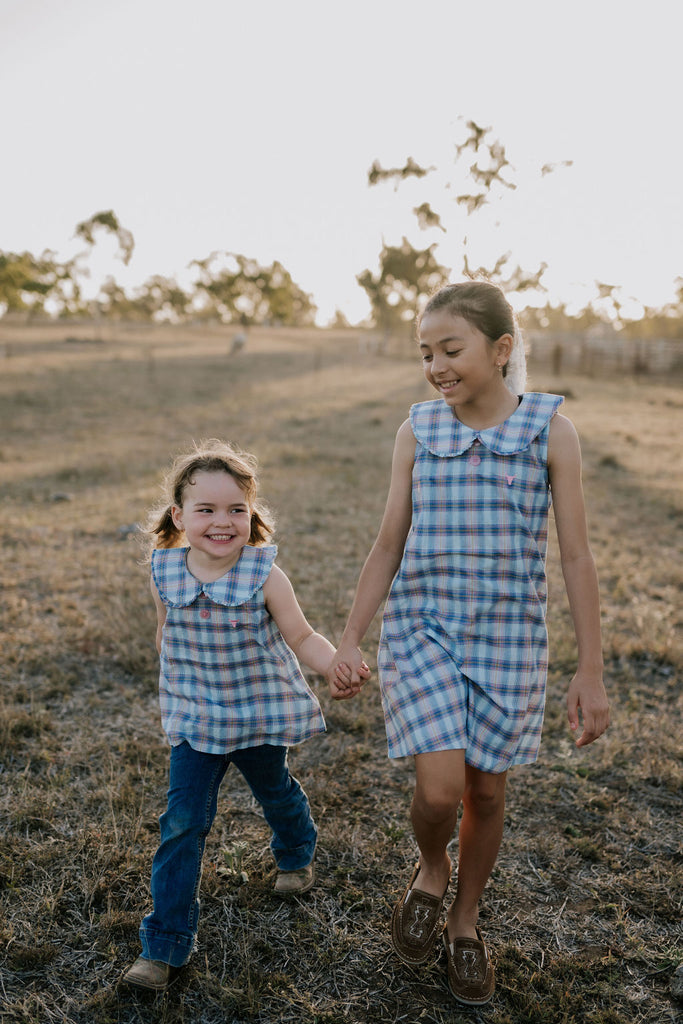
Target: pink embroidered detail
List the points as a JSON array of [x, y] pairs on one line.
[[509, 479]]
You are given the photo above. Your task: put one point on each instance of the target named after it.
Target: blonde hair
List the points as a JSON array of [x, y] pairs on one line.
[[212, 456], [484, 306]]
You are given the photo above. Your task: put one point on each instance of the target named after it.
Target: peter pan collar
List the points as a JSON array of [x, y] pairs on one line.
[[439, 431], [178, 588]]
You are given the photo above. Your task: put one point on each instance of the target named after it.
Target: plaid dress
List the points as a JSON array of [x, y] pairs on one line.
[[228, 680], [463, 650]]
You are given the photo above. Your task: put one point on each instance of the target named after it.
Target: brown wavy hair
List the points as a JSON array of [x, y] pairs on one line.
[[212, 456]]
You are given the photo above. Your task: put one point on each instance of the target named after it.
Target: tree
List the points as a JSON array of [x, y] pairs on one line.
[[159, 298], [107, 221], [665, 322], [28, 283], [237, 289], [407, 274], [114, 302], [43, 283]]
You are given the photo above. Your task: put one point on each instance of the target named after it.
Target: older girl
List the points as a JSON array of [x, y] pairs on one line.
[[462, 657]]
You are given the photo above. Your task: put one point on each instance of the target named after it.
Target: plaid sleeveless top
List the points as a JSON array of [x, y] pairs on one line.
[[227, 678]]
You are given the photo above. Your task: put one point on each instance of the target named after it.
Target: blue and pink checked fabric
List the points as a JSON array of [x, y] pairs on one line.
[[227, 678], [463, 651]]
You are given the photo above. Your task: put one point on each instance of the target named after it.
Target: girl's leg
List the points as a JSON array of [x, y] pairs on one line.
[[168, 933], [439, 787], [415, 920], [285, 805], [481, 831]]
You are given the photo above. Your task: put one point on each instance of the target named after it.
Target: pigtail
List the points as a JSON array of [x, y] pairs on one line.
[[165, 531], [159, 532], [262, 525]]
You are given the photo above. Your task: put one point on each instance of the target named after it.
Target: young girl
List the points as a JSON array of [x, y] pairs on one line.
[[229, 628], [462, 657]]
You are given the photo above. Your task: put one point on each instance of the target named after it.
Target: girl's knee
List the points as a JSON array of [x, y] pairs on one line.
[[179, 820], [436, 803], [439, 784], [485, 794]]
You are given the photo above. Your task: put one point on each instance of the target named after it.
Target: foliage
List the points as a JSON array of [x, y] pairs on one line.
[[113, 301], [233, 288], [27, 282], [557, 318], [44, 284], [109, 222], [160, 298], [666, 322], [607, 312], [228, 287], [413, 272], [397, 174], [406, 276], [236, 289]]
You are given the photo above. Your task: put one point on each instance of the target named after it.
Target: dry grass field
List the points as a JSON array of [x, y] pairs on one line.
[[583, 911]]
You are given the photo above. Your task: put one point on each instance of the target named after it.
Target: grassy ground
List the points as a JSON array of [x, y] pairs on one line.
[[583, 910]]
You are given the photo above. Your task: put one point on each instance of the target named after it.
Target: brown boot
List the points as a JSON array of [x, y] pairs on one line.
[[294, 883], [153, 975]]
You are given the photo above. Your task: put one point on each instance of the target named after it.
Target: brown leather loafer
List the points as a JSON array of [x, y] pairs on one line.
[[470, 972], [153, 975], [415, 923]]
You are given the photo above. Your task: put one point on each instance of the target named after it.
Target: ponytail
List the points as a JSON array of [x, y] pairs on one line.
[[515, 368]]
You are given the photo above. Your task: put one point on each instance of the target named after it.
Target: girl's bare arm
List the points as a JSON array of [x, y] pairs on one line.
[[385, 555], [310, 647], [587, 690]]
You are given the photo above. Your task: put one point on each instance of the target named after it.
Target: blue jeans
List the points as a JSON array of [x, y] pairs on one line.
[[168, 934]]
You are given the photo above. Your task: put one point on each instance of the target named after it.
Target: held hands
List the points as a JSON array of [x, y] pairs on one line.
[[347, 673], [587, 692]]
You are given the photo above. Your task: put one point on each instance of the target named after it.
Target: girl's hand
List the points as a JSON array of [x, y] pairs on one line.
[[339, 681], [587, 693], [340, 678]]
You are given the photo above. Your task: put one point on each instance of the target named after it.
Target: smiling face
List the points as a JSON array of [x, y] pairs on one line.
[[459, 360], [216, 518]]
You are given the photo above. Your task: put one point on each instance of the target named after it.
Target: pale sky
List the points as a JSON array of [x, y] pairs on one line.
[[250, 127]]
